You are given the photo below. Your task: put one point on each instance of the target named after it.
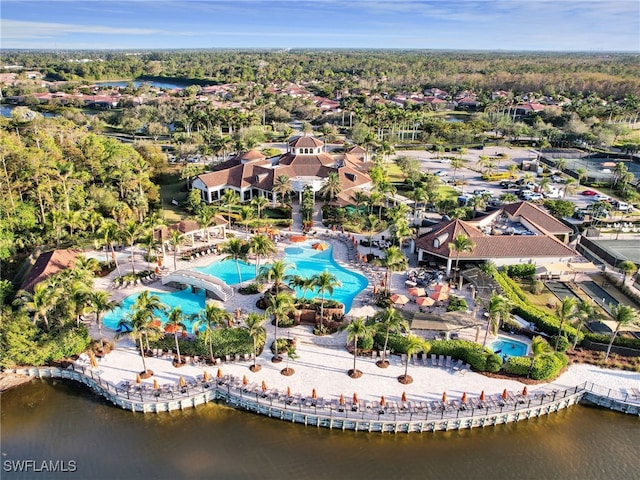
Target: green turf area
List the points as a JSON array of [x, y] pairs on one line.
[[447, 192], [171, 188]]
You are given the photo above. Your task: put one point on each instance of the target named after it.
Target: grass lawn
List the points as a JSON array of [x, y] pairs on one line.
[[541, 301], [171, 188], [395, 174], [447, 192]]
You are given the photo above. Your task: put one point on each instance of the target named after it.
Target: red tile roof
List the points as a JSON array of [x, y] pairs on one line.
[[537, 217], [304, 141], [47, 264]]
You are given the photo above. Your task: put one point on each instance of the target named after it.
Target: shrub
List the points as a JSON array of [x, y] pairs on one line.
[[250, 289], [492, 177], [365, 343], [396, 343], [68, 343], [518, 366], [493, 362], [548, 367], [563, 343], [537, 287], [282, 344], [456, 304], [481, 359], [521, 270]]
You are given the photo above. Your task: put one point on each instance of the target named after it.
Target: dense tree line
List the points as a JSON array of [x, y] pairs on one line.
[[608, 75]]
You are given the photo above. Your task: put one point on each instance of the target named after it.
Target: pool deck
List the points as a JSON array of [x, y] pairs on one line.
[[323, 362]]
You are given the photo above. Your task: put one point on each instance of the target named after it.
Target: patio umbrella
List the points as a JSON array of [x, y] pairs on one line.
[[399, 299], [92, 361], [417, 291], [156, 323], [375, 288], [404, 397], [245, 380], [524, 391], [155, 384], [205, 376], [355, 398], [264, 386], [341, 399], [159, 261], [608, 164], [320, 246], [382, 401], [182, 382], [505, 395], [170, 328], [440, 296], [441, 288], [219, 374], [138, 379], [425, 301], [314, 394], [288, 391], [464, 397], [238, 313], [482, 396], [444, 397]]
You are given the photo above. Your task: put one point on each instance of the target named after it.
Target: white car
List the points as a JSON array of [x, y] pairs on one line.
[[601, 197], [440, 173], [532, 197]]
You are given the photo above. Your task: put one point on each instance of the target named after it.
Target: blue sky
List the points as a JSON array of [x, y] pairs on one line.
[[558, 25]]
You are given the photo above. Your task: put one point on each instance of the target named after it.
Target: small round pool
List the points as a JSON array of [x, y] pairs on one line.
[[509, 347]]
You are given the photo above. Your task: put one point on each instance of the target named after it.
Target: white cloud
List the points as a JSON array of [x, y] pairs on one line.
[[14, 29]]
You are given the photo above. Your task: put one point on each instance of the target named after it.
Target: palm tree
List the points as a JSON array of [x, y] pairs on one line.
[[255, 328], [303, 283], [245, 215], [175, 320], [131, 233], [623, 315], [77, 299], [539, 348], [585, 311], [261, 246], [414, 345], [570, 187], [230, 198], [355, 330], [291, 355], [456, 163], [371, 224], [389, 320], [236, 250], [461, 243], [137, 325], [331, 187], [212, 317], [205, 217], [151, 305], [565, 312], [281, 186], [175, 241], [101, 303], [40, 303], [150, 243], [393, 261], [275, 272], [498, 309], [110, 235], [628, 268], [259, 203], [325, 282], [280, 306]]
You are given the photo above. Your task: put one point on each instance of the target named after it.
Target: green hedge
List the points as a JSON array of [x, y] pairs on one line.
[[492, 177], [545, 322], [481, 359], [226, 341], [522, 270], [545, 367]]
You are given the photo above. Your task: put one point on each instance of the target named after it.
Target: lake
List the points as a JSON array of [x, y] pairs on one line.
[[56, 420]]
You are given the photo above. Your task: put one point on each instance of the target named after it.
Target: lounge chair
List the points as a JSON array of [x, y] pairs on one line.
[[434, 361]]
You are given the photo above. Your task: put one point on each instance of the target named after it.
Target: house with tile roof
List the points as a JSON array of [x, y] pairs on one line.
[[516, 233], [48, 264], [250, 174]]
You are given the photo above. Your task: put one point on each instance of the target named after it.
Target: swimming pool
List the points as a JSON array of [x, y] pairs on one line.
[[190, 303], [509, 347], [307, 262]]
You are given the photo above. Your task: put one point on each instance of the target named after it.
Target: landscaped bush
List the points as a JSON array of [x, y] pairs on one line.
[[365, 343], [286, 322], [282, 344], [563, 343], [518, 366], [396, 343], [481, 359], [456, 304], [619, 341], [492, 177], [537, 287], [521, 270], [67, 343], [250, 289], [226, 341]]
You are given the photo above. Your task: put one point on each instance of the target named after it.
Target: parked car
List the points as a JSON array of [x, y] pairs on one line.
[[508, 184], [532, 197], [440, 173], [482, 191], [588, 193], [623, 207], [601, 197]]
